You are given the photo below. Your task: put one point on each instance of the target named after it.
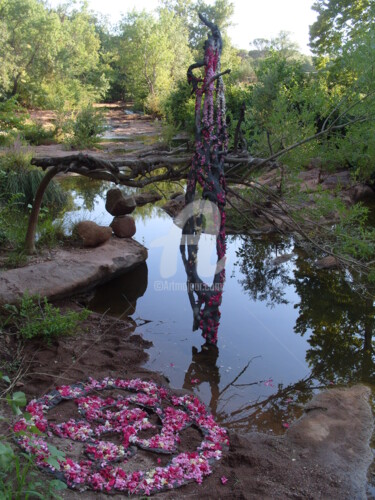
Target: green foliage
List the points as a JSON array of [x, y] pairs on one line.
[[49, 56], [21, 179], [85, 128], [36, 134], [219, 12], [11, 118], [36, 318], [19, 476], [339, 21], [154, 56], [179, 108]]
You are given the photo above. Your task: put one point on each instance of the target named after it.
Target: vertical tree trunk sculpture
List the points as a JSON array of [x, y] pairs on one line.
[[207, 170]]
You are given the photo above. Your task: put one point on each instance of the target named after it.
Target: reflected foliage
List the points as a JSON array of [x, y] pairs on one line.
[[261, 263], [341, 324], [87, 189]]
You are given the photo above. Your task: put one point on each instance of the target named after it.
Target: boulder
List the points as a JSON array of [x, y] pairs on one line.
[[118, 204], [361, 192], [146, 197], [176, 194], [123, 226], [328, 262], [338, 180], [174, 207], [315, 163], [91, 234], [280, 259]]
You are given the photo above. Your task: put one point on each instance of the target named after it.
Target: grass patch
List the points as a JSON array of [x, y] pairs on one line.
[[37, 318]]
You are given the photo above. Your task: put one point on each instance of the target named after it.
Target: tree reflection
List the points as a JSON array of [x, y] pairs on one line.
[[341, 324], [265, 278], [87, 189]]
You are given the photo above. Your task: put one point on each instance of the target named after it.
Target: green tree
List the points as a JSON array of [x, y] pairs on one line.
[[154, 56], [49, 57], [29, 34], [219, 13], [339, 22]]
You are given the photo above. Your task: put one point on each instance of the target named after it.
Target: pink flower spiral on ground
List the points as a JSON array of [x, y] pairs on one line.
[[103, 466]]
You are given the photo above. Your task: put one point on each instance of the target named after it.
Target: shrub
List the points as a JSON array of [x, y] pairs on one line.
[[36, 318], [18, 177], [11, 118], [86, 128], [179, 108], [36, 134]]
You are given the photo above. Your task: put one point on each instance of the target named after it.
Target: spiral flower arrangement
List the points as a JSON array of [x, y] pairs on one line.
[[103, 468]]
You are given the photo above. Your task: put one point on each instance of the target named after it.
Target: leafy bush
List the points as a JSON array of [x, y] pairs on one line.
[[36, 134], [34, 318], [20, 178], [86, 128], [11, 119], [179, 108]]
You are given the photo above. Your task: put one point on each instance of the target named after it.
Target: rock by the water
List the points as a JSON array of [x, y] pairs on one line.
[[118, 204], [91, 234], [362, 192], [123, 226], [146, 197], [174, 207], [328, 262], [72, 271], [281, 259], [177, 193]]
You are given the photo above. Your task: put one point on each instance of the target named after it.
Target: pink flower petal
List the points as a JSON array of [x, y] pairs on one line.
[[195, 381], [223, 479], [285, 425]]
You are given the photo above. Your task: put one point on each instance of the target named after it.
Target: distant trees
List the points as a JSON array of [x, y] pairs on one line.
[[48, 57], [153, 56]]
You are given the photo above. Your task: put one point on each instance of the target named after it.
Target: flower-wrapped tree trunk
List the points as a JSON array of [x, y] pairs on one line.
[[207, 170]]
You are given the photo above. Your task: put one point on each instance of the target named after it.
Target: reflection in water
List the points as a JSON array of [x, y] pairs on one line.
[[203, 368], [119, 296], [265, 278], [318, 314], [206, 314], [338, 320], [341, 324], [87, 189]]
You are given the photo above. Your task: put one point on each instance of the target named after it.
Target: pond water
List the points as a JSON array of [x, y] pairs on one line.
[[287, 329]]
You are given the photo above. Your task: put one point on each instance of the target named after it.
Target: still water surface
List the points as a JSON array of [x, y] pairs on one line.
[[287, 329]]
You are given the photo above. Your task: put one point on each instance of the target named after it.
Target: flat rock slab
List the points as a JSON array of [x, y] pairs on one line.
[[325, 454], [72, 271]]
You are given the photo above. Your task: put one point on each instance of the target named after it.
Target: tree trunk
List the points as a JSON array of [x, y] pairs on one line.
[[33, 220]]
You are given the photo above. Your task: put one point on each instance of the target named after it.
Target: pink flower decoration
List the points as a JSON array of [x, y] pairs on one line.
[[117, 415], [223, 479]]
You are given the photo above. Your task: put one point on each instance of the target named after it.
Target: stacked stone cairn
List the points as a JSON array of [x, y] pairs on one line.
[[120, 206]]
